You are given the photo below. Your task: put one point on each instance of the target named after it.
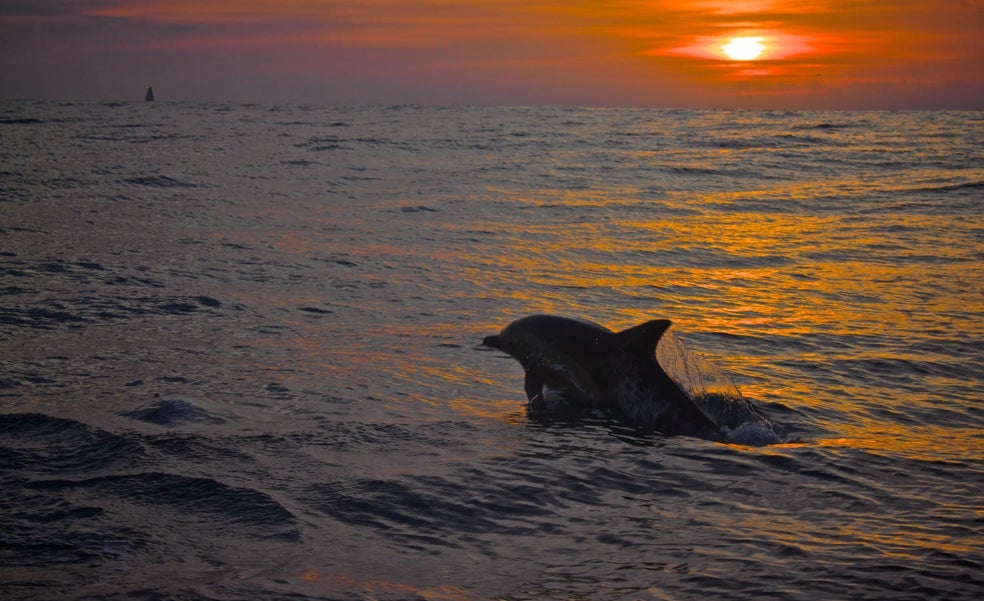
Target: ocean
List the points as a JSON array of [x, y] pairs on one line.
[[240, 352]]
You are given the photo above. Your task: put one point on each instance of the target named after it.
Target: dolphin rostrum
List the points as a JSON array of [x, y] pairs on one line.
[[575, 365]]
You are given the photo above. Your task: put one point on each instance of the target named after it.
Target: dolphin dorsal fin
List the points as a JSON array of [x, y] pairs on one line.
[[644, 337]]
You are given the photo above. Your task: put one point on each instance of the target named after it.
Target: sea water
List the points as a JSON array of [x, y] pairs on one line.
[[240, 352]]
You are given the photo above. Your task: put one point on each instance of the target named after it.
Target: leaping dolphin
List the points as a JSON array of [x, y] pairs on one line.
[[572, 364]]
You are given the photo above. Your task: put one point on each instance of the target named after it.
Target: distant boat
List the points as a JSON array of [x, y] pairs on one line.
[[150, 94]]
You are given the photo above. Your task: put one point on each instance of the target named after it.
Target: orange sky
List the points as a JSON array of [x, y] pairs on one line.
[[660, 53]]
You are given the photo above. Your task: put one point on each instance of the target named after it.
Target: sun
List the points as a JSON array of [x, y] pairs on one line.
[[744, 49]]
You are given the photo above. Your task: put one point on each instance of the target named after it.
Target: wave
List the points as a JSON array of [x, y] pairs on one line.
[[172, 412], [45, 445], [85, 310], [159, 181], [202, 498], [21, 121], [74, 492]]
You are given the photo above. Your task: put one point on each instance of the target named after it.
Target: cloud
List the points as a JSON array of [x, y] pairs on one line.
[[51, 8]]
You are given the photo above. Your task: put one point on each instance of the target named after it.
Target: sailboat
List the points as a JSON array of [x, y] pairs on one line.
[[150, 94]]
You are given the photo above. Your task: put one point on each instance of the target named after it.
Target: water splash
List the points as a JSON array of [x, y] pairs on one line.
[[715, 393]]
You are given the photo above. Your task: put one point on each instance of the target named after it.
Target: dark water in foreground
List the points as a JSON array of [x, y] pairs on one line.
[[240, 352]]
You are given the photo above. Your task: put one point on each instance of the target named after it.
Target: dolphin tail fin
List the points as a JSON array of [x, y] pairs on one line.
[[643, 338]]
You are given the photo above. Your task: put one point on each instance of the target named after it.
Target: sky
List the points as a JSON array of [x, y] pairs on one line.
[[790, 54]]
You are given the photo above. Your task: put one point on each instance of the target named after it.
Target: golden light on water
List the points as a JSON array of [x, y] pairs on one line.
[[923, 443]]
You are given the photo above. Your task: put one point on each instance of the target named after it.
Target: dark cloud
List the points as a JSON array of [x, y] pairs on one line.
[[51, 8]]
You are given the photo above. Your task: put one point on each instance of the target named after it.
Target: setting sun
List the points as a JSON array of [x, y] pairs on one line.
[[744, 49]]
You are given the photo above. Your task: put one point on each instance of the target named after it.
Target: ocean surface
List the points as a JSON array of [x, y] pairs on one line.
[[240, 352]]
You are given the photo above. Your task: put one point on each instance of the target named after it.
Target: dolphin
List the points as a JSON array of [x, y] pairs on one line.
[[574, 365]]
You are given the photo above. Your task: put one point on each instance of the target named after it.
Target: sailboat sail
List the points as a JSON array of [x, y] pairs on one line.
[[150, 94]]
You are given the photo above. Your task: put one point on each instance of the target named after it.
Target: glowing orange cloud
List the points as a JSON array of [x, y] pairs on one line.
[[775, 46]]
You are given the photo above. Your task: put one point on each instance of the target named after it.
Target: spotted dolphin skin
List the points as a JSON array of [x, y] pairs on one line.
[[573, 365]]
